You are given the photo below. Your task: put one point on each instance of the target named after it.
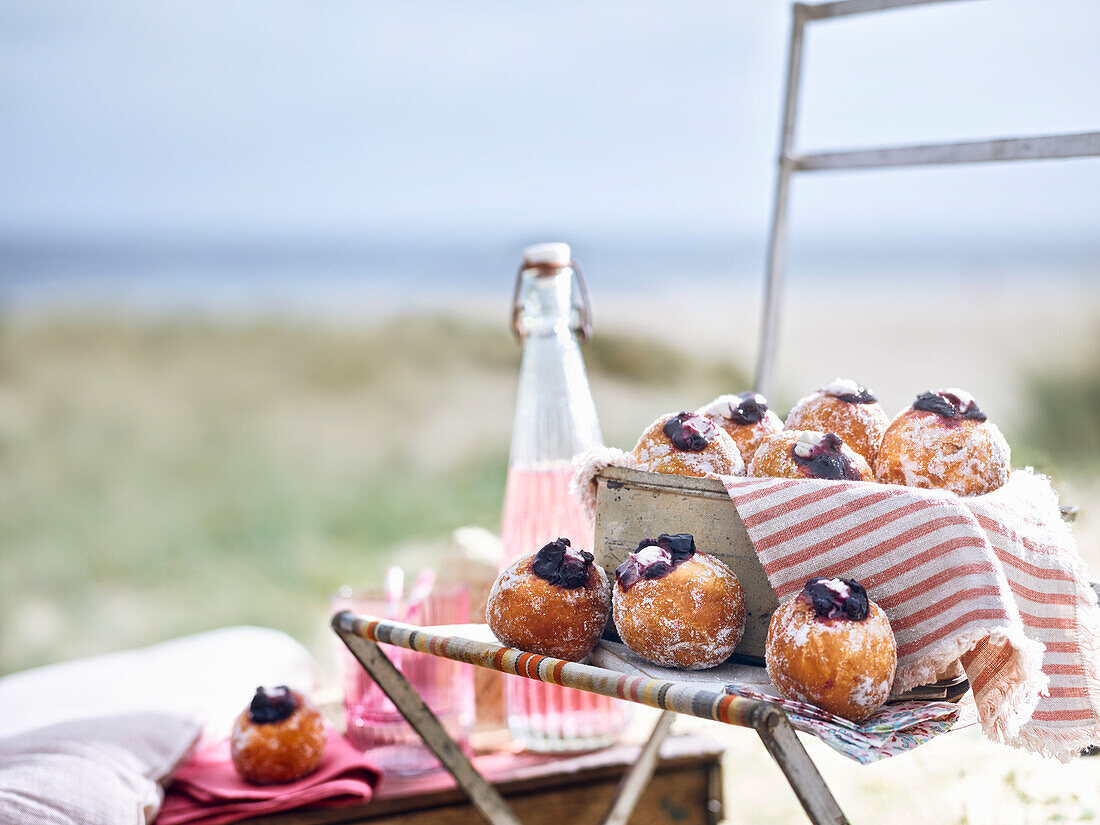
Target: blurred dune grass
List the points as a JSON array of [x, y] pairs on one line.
[[1066, 423]]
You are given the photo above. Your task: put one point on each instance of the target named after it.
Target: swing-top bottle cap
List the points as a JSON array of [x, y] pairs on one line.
[[547, 254]]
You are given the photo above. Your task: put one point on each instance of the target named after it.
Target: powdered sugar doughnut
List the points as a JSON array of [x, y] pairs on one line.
[[808, 454], [746, 418], [833, 647], [846, 408], [678, 607], [555, 602], [279, 737], [943, 440], [687, 444]]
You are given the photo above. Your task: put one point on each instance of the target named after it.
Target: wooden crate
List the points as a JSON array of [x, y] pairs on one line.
[[632, 505], [686, 790]]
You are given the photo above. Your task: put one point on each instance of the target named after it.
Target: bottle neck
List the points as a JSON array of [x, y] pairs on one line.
[[555, 414], [547, 301]]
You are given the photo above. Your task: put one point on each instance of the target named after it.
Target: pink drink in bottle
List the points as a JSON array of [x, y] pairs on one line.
[[555, 420]]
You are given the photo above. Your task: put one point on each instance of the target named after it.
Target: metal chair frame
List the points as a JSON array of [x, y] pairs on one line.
[[1084, 144]]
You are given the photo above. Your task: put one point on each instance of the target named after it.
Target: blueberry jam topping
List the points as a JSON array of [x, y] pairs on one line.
[[690, 432], [836, 599], [861, 396], [949, 405], [272, 704], [849, 392], [654, 559], [751, 407], [821, 457], [558, 563]]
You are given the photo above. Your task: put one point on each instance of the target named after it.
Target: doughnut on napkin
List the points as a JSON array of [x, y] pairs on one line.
[[994, 581], [208, 791]]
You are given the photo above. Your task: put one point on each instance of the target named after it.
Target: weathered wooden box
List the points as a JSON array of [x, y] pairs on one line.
[[632, 505]]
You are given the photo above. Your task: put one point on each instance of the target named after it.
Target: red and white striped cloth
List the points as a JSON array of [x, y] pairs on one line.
[[993, 581]]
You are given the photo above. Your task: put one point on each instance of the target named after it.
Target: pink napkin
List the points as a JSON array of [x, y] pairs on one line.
[[208, 790]]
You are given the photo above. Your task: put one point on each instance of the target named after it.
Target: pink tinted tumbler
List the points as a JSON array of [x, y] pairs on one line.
[[374, 725]]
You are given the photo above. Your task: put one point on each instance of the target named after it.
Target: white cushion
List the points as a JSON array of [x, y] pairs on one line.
[[92, 771], [209, 677]]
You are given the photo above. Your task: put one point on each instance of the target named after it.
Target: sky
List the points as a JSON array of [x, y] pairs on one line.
[[492, 120]]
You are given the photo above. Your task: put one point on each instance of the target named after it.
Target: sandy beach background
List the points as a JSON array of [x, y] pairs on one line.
[[165, 473]]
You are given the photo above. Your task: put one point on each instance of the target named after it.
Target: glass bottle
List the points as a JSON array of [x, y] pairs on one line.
[[555, 420]]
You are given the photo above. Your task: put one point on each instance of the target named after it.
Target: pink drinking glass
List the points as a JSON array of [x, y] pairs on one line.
[[374, 725]]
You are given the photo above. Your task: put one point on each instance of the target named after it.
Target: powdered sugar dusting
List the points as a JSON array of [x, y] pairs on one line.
[[842, 386], [747, 437], [921, 450], [517, 606], [846, 667], [691, 618], [869, 693], [243, 734], [860, 426], [656, 452]]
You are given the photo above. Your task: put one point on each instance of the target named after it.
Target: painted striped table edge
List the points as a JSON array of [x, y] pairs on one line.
[[678, 697]]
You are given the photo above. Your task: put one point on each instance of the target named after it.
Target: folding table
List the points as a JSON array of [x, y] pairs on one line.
[[362, 635]]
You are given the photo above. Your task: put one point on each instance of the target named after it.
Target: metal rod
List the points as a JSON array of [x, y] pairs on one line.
[[636, 779], [777, 239], [484, 797], [805, 780], [1043, 147], [680, 697], [844, 8]]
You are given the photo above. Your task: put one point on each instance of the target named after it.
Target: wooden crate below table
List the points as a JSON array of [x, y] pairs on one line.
[[566, 790]]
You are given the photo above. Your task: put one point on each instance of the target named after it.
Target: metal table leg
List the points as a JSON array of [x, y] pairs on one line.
[[817, 800], [485, 798], [636, 779]]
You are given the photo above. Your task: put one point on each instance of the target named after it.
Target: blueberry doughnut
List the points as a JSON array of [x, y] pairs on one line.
[[833, 647], [555, 602], [746, 418], [943, 440], [279, 737], [846, 408], [688, 444], [676, 606], [807, 454]]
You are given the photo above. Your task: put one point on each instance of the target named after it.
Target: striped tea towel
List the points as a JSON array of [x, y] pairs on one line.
[[994, 581]]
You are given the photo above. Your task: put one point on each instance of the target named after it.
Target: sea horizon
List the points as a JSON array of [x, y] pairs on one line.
[[349, 276]]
